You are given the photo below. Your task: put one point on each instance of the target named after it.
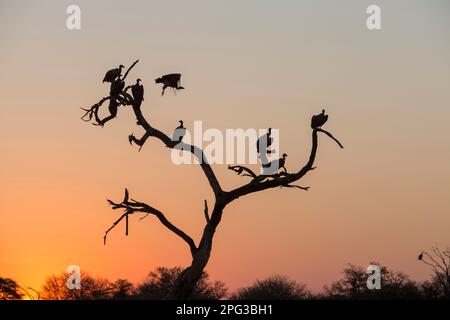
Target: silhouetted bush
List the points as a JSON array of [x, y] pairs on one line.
[[394, 285], [55, 288], [273, 288], [10, 290], [160, 281]]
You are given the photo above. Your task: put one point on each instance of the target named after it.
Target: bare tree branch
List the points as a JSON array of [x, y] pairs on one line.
[[283, 179], [331, 136], [196, 151], [132, 206], [440, 268], [240, 169], [131, 67], [93, 111], [295, 186]]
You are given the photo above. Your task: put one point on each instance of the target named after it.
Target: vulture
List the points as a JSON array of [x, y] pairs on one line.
[[319, 120], [170, 81], [264, 141], [117, 86], [420, 256], [138, 91], [112, 74], [275, 165], [179, 132]]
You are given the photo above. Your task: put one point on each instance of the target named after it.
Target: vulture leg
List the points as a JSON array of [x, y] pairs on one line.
[[163, 89]]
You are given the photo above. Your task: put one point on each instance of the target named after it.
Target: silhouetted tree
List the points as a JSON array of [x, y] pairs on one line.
[[10, 290], [394, 285], [273, 288], [184, 286], [122, 289], [159, 283], [439, 261], [55, 288]]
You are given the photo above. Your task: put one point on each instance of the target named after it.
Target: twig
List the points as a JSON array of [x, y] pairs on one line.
[[294, 186], [240, 169], [331, 136], [126, 73]]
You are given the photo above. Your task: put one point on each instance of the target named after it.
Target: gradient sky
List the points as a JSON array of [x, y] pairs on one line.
[[245, 64]]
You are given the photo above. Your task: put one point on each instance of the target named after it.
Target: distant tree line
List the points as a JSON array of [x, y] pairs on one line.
[[352, 285]]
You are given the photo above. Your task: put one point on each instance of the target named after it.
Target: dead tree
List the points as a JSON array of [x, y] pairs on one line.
[[439, 261], [201, 250]]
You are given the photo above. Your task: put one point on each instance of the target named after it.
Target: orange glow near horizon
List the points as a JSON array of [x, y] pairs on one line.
[[383, 198]]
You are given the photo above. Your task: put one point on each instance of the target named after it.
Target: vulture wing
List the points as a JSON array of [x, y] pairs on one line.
[[111, 75], [171, 79]]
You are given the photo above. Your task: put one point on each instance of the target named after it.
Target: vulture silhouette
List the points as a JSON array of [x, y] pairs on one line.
[[319, 120], [138, 91], [179, 132], [112, 74], [170, 81], [265, 141], [420, 256]]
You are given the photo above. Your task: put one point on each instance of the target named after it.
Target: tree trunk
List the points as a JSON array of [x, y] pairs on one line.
[[186, 281]]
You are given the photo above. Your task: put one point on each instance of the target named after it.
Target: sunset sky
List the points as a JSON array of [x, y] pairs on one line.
[[245, 64]]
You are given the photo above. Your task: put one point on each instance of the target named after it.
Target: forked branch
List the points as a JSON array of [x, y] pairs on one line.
[[282, 179], [132, 206]]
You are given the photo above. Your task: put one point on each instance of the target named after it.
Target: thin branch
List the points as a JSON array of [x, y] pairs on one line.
[[437, 264], [131, 67], [295, 186], [92, 111], [132, 206], [438, 253], [240, 169], [331, 136]]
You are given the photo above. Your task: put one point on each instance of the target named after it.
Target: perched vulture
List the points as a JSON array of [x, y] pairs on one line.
[[179, 132], [112, 74], [319, 120], [275, 165], [420, 257], [170, 81], [138, 91], [265, 141]]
